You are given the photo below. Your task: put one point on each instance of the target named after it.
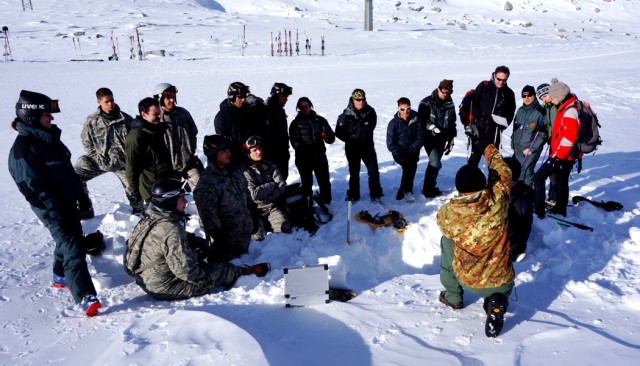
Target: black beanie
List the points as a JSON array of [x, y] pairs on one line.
[[470, 179], [528, 90]]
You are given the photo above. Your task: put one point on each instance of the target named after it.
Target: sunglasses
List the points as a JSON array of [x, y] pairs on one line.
[[446, 91], [304, 106], [503, 80], [241, 96], [358, 100], [405, 109], [527, 95]]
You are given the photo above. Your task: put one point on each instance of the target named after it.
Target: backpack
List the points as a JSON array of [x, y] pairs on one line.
[[131, 259], [465, 109], [589, 133]]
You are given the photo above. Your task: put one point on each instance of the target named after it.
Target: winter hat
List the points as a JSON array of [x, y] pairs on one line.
[[470, 179], [558, 90], [358, 94], [528, 90], [543, 89], [213, 144], [446, 84]]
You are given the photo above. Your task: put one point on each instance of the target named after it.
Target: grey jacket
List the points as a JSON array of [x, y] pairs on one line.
[[222, 199], [169, 265], [103, 137], [181, 137], [265, 184], [530, 122]]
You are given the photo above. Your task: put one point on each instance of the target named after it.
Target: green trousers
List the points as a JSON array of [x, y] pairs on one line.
[[450, 281]]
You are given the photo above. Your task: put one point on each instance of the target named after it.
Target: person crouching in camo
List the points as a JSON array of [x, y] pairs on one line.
[[266, 187], [168, 262], [181, 136], [103, 136], [475, 241], [222, 199]]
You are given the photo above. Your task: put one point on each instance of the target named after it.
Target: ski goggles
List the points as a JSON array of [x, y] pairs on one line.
[[252, 142], [49, 107], [184, 190], [446, 91]]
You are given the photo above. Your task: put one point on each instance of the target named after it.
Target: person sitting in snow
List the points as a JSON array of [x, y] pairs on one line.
[[266, 188], [475, 241], [174, 264], [40, 165], [222, 199]]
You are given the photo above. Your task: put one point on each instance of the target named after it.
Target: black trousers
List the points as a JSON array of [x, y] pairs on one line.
[[318, 164], [363, 151], [562, 170]]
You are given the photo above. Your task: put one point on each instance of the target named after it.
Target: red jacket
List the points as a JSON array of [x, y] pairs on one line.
[[565, 130]]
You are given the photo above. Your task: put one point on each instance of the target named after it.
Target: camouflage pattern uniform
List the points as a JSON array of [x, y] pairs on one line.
[[222, 200], [181, 138], [170, 267], [476, 224], [103, 137], [266, 187]]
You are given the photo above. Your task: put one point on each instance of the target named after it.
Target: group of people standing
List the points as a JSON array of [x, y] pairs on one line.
[[241, 192]]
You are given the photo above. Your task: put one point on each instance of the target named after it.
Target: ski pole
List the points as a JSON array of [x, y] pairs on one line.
[[349, 222], [579, 226], [530, 145]]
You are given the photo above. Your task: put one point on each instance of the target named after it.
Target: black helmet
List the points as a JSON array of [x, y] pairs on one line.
[[281, 88], [165, 193], [31, 105], [215, 143], [237, 88], [252, 141]]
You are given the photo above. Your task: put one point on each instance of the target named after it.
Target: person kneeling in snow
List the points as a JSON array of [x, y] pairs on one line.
[[170, 263], [475, 242]]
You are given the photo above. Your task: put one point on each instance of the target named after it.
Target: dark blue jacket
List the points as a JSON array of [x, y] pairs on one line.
[[405, 138], [356, 125], [40, 164]]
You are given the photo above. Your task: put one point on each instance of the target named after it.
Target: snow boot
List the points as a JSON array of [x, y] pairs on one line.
[[91, 304], [455, 306], [60, 282], [495, 306]]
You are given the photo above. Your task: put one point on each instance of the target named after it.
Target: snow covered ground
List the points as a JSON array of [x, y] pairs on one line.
[[577, 297]]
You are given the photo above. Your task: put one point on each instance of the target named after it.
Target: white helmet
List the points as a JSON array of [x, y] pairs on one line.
[[161, 88]]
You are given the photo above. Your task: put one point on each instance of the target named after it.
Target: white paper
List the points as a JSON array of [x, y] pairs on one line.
[[500, 120]]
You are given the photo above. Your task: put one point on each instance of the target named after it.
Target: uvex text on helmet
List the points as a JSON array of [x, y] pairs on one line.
[[237, 88], [213, 144], [31, 105]]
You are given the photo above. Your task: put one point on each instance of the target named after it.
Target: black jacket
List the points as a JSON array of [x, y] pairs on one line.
[[356, 125]]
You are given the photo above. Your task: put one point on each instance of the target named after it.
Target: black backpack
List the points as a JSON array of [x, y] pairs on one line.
[[589, 133]]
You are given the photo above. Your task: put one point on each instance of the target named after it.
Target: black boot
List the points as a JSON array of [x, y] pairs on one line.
[[495, 307], [429, 189], [85, 207]]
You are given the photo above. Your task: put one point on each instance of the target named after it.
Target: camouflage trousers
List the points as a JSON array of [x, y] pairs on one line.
[[450, 281], [276, 217], [87, 169]]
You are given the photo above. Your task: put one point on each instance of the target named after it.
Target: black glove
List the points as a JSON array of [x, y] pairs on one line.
[[448, 146], [400, 158], [555, 163], [260, 269], [541, 127], [94, 243]]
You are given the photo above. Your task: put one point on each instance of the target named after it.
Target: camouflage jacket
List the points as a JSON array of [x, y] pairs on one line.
[[265, 184], [103, 137], [222, 200], [181, 137], [169, 267], [477, 224]]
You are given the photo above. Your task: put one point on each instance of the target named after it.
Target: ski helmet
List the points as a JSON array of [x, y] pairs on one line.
[[237, 88], [251, 142], [31, 105], [162, 88], [281, 88], [215, 143], [165, 193]]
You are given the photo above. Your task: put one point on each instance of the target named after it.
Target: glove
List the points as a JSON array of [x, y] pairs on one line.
[[541, 127], [473, 133], [554, 162], [260, 269], [448, 147], [434, 129]]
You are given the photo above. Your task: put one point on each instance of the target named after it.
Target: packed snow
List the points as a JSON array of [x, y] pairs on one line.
[[577, 297]]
